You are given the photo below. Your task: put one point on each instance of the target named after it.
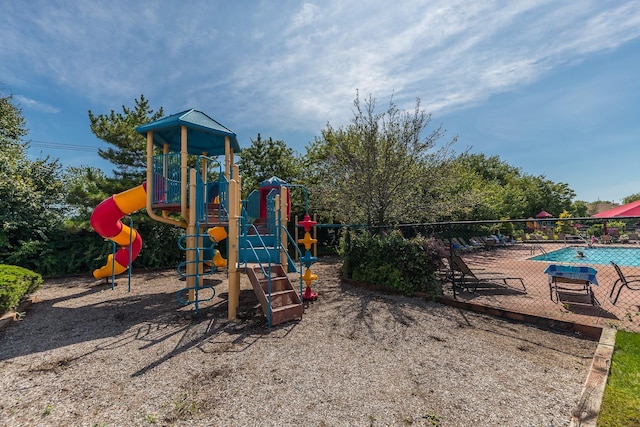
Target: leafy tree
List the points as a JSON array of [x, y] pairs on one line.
[[490, 169], [373, 170], [265, 158], [497, 186], [85, 188], [579, 209], [30, 193], [565, 227], [12, 129], [543, 194], [453, 192], [631, 198], [128, 148], [495, 189]]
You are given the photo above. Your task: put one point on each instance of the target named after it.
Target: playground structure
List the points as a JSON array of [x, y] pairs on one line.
[[188, 187]]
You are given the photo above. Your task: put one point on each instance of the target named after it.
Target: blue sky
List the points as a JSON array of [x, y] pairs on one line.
[[551, 87]]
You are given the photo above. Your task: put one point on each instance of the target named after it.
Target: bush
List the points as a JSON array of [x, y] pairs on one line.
[[15, 283], [390, 260]]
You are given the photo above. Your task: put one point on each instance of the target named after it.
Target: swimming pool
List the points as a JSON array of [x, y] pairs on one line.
[[599, 255]]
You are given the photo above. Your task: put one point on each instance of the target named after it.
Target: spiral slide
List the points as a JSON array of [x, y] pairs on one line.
[[105, 220], [211, 254]]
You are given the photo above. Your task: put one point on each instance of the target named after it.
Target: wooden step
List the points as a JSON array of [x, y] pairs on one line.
[[285, 302], [277, 272], [277, 284], [283, 298], [286, 313]]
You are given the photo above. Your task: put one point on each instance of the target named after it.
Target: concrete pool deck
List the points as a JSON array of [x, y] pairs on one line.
[[514, 261]]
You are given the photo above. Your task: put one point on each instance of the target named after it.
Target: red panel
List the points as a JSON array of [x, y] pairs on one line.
[[105, 218], [122, 256]]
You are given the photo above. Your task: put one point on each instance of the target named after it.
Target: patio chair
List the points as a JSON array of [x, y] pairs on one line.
[[477, 243], [459, 246], [631, 282], [488, 242], [472, 245], [467, 279]]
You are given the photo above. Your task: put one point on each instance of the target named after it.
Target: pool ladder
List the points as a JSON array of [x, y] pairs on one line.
[[538, 246]]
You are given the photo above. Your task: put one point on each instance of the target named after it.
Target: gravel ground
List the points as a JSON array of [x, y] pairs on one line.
[[87, 355]]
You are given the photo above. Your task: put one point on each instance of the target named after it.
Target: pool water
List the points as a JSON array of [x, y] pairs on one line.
[[598, 255]]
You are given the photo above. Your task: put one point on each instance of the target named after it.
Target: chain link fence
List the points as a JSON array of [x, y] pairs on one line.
[[584, 271]]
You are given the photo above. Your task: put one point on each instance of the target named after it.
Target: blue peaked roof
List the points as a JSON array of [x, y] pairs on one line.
[[204, 135]]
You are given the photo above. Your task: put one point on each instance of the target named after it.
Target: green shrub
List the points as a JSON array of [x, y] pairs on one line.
[[15, 283], [390, 260]]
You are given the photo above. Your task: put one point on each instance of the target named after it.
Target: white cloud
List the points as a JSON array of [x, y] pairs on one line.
[[36, 105], [300, 65], [304, 16]]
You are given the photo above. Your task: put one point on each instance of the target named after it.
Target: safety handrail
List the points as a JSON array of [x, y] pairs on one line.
[[264, 272], [537, 246], [581, 238], [243, 221], [166, 178], [252, 205], [298, 250], [264, 245], [212, 174]]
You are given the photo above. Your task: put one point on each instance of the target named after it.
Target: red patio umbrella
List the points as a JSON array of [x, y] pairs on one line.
[[544, 214]]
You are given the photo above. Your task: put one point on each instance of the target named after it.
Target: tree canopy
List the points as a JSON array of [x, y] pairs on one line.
[[631, 198], [31, 191], [86, 186], [372, 170], [127, 149], [502, 191], [265, 158]]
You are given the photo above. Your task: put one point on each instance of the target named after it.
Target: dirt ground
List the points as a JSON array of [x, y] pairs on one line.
[[87, 355]]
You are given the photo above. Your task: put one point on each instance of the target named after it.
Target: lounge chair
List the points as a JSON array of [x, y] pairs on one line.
[[631, 282], [457, 245], [488, 242], [473, 245], [467, 279], [477, 243]]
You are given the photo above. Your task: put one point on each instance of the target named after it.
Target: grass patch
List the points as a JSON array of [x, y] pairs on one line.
[[621, 401]]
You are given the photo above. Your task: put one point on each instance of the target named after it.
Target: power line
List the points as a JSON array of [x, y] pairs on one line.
[[62, 146]]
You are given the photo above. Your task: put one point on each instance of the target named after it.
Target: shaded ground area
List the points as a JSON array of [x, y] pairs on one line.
[[89, 355]]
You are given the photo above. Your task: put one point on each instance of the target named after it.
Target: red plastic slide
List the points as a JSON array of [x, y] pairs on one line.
[[105, 220]]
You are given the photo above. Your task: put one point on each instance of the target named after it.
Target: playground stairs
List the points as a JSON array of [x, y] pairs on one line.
[[260, 225], [285, 301], [214, 217]]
